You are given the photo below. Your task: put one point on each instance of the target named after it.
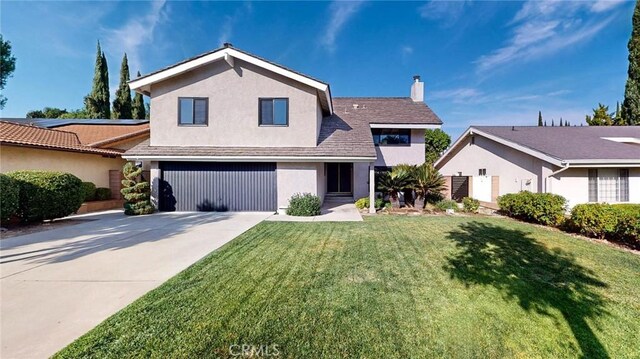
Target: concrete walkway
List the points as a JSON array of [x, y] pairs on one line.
[[58, 284], [330, 212]]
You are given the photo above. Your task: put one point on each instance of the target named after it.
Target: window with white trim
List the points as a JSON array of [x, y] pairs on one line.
[[609, 185]]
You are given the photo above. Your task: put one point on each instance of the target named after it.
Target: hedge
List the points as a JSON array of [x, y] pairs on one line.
[[103, 194], [619, 222], [304, 204], [89, 190], [47, 195], [543, 208], [9, 196]]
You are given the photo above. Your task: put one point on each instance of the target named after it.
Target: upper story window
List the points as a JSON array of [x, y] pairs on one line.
[[391, 137], [274, 112], [193, 111]]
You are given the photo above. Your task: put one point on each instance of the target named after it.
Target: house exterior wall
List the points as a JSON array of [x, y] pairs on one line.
[[394, 155], [87, 167], [233, 95], [517, 171], [294, 177], [573, 184]]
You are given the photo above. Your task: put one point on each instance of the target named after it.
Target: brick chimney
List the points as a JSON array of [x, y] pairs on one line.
[[417, 89]]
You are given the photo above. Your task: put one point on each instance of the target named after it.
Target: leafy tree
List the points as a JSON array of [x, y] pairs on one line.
[[97, 102], [601, 116], [631, 103], [122, 103], [138, 109], [436, 141], [47, 112], [79, 113], [7, 66], [539, 118], [135, 191]]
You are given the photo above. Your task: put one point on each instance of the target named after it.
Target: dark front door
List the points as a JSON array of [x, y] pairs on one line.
[[339, 177]]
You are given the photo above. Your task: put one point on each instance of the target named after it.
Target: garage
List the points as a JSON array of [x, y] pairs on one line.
[[218, 186]]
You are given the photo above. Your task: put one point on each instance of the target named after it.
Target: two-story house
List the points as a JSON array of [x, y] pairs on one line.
[[233, 131]]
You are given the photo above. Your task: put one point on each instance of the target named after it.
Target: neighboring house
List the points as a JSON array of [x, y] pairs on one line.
[[583, 164], [90, 149], [232, 131]]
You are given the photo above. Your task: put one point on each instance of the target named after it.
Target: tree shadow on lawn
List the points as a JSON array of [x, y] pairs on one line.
[[540, 279]]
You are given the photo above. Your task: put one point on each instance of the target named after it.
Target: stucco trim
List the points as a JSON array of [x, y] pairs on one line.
[[249, 159], [405, 126]]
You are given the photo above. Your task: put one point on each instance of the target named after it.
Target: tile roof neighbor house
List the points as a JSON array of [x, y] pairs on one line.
[[90, 149], [233, 131], [583, 164]]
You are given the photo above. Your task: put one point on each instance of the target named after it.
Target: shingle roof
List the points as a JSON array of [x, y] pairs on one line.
[[32, 136], [572, 143], [384, 110]]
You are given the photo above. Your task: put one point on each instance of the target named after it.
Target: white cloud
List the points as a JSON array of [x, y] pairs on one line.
[[604, 5], [341, 12], [133, 35], [545, 27], [230, 22], [447, 11], [457, 95]]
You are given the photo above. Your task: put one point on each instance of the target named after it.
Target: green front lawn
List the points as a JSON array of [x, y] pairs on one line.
[[391, 287]]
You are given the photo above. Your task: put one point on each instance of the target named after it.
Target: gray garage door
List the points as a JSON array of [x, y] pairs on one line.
[[218, 186]]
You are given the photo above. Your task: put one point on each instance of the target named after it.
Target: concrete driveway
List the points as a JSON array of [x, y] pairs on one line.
[[58, 284]]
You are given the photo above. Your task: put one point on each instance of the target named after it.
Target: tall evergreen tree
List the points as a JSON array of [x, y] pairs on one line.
[[601, 116], [138, 110], [631, 104], [617, 117], [561, 123], [97, 101], [552, 123], [122, 102], [539, 118], [545, 123]]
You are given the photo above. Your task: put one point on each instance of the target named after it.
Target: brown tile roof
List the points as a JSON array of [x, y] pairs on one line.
[[383, 110], [32, 136], [101, 135]]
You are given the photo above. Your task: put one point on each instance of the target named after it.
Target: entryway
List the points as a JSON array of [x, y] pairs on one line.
[[340, 178]]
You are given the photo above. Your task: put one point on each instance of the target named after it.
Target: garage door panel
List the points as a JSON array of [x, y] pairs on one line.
[[218, 186]]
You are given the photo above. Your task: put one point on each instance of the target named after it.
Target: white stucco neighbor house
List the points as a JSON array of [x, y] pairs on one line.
[[233, 131], [583, 164]]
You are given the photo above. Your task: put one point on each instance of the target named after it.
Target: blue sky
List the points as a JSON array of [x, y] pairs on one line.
[[482, 62]]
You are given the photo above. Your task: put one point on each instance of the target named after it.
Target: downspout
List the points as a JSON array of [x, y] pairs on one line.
[[565, 166]]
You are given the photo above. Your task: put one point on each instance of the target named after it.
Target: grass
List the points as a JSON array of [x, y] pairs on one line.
[[391, 287]]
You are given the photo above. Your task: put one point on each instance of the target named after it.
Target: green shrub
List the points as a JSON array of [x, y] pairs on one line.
[[47, 195], [9, 196], [470, 205], [103, 194], [89, 190], [362, 203], [446, 204], [602, 220], [304, 204], [136, 192], [543, 208]]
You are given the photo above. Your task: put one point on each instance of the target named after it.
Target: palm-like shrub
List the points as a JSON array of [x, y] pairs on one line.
[[408, 191], [428, 181], [136, 192], [394, 182]]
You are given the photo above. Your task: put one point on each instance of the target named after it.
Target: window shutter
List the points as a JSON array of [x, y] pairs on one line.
[[593, 185], [623, 175]]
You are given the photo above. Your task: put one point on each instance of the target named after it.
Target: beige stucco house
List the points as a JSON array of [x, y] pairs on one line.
[[232, 131], [91, 149], [583, 164]]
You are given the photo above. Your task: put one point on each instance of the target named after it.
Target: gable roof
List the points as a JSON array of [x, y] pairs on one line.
[[58, 122], [32, 136], [385, 111], [563, 145], [101, 135], [228, 53]]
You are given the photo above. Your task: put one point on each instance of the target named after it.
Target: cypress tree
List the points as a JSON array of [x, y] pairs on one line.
[[545, 123], [561, 123], [97, 101], [138, 110], [631, 104], [539, 118], [552, 123], [122, 102]]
